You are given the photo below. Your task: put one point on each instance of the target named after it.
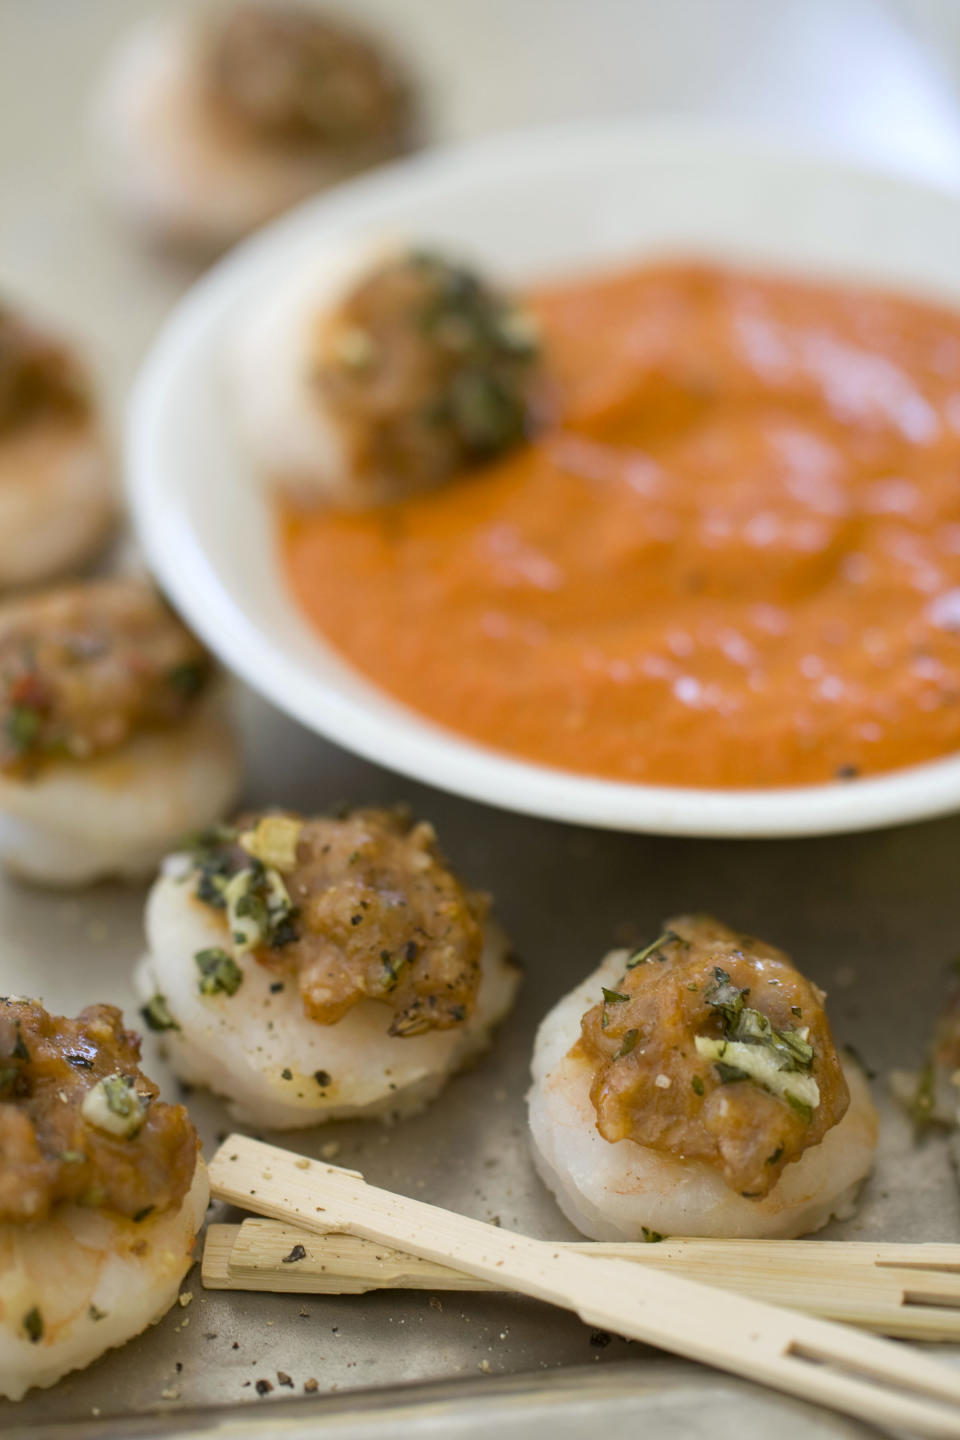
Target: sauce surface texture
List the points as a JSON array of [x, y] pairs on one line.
[[730, 558]]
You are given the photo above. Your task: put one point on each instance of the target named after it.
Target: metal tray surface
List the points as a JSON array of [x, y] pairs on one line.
[[872, 918]]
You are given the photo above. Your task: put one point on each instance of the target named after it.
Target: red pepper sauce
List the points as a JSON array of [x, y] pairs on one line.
[[731, 558]]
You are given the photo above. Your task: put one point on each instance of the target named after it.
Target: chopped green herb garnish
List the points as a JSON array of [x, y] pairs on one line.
[[72, 1157], [393, 967], [113, 1105], [219, 972], [772, 1159], [252, 906], [156, 1014], [142, 1214], [726, 998], [746, 1026], [259, 909], [121, 1097], [95, 1314], [922, 1105], [33, 1325], [23, 724], [286, 1074], [628, 1043], [697, 1085], [801, 1106], [729, 1074], [189, 678], [613, 997], [652, 1237], [323, 1078], [640, 956], [213, 838]]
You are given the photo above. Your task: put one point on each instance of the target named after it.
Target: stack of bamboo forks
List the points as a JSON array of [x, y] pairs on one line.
[[721, 1302]]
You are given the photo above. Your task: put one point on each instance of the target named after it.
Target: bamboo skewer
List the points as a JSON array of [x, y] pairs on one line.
[[908, 1291], [861, 1375]]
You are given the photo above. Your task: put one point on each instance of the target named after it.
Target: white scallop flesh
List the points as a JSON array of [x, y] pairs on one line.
[[288, 433], [57, 501], [177, 174], [612, 1190], [245, 1046], [121, 812], [95, 1279]]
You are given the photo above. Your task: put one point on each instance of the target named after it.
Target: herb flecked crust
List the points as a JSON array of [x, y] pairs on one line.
[[426, 370], [350, 908], [86, 667], [713, 1047], [80, 1122]]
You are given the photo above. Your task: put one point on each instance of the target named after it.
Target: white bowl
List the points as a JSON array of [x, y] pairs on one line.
[[525, 205]]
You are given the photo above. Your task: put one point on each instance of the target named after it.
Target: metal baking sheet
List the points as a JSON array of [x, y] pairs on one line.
[[873, 918]]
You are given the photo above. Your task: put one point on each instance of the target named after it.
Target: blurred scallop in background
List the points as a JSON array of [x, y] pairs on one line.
[[206, 127]]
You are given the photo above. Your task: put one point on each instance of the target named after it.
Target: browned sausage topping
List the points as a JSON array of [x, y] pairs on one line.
[[713, 1047], [61, 1082], [295, 77], [38, 376], [362, 907], [85, 667], [426, 370]]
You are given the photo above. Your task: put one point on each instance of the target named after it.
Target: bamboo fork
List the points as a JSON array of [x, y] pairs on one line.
[[861, 1375], [910, 1291]]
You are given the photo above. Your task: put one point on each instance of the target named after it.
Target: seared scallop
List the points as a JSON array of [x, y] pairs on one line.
[[57, 503], [203, 130], [102, 1193], [374, 376], [115, 738], [693, 1088], [317, 969]]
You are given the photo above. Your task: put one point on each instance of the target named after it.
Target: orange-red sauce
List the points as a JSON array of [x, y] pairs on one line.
[[732, 557]]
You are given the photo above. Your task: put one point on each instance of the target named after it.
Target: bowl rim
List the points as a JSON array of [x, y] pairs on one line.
[[400, 739]]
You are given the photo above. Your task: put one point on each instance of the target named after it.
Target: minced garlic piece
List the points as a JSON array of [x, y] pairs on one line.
[[113, 1105], [273, 841], [256, 903], [760, 1065]]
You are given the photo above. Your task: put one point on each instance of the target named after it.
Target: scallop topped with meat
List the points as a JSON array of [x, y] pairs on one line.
[[711, 1046], [56, 493], [113, 732], [84, 669], [296, 77], [376, 914], [367, 381], [38, 377], [316, 968], [694, 1087], [206, 128], [102, 1192]]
